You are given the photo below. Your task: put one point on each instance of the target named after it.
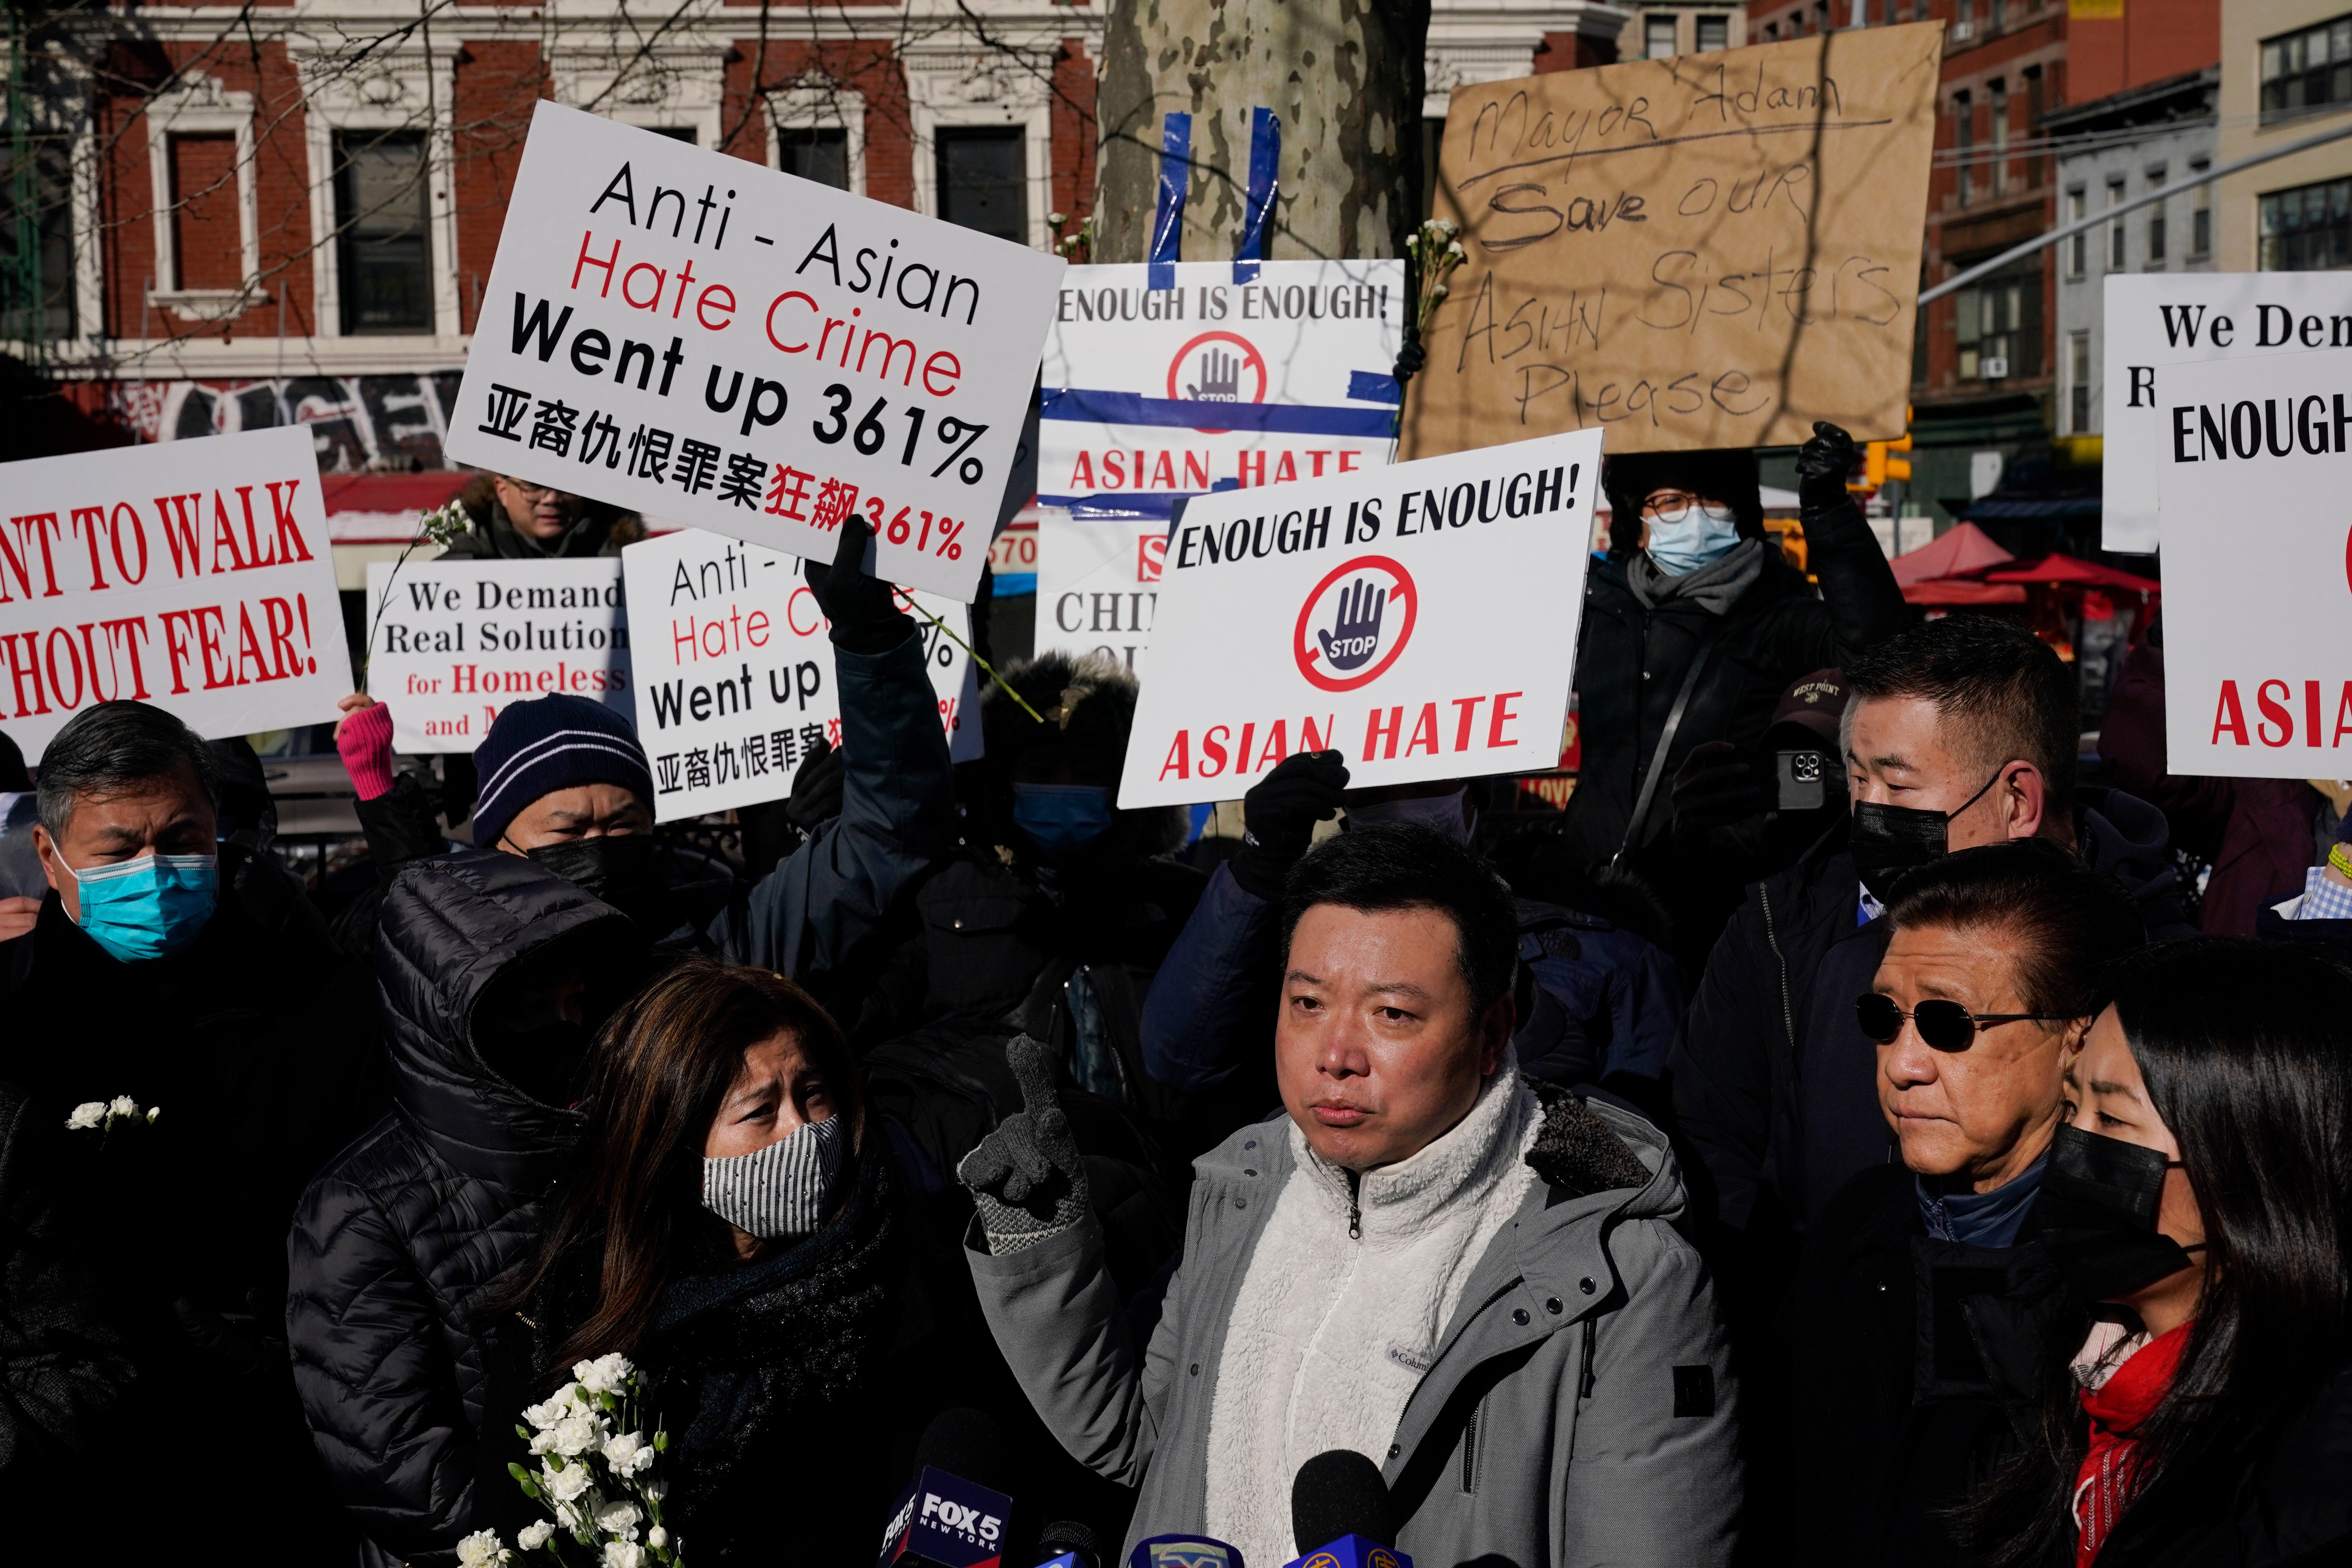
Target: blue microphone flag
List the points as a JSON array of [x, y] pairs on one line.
[[1353, 1552], [947, 1521]]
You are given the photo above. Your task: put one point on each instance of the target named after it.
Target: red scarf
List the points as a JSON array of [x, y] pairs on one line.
[[2108, 1478]]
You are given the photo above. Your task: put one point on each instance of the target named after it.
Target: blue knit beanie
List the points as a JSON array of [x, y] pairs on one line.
[[549, 744]]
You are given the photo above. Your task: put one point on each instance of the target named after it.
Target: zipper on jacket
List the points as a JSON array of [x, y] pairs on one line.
[[1584, 1378], [1772, 940], [1355, 1206], [1470, 1447]]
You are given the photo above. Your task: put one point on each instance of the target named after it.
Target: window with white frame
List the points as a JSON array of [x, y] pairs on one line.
[[2078, 245], [2116, 227], [2078, 383], [1658, 36], [383, 242], [1714, 33], [2200, 215], [201, 172]]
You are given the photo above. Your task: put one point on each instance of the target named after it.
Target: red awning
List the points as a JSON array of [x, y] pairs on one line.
[[2070, 569], [1963, 549], [385, 509], [1948, 592]]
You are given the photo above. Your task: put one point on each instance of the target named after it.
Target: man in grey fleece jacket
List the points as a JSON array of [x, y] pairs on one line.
[[1473, 1281]]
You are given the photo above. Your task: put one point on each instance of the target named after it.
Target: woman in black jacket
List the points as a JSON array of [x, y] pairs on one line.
[[2199, 1207], [741, 1229]]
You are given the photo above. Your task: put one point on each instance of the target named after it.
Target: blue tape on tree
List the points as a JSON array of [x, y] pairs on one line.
[[1374, 386], [1168, 215], [1265, 166]]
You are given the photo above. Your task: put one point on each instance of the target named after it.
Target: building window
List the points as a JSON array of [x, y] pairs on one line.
[[2200, 216], [1995, 322], [1996, 14], [2308, 228], [2078, 245], [818, 153], [1658, 37], [677, 133], [1919, 11], [1964, 111], [1820, 16], [1997, 109], [2308, 71], [36, 281], [983, 181], [2115, 228], [383, 239], [207, 229], [1772, 32], [1714, 33], [2156, 220], [2078, 383]]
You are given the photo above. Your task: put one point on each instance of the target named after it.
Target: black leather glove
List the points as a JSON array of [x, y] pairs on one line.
[[1028, 1178], [816, 789], [1714, 788], [865, 617], [1278, 818], [1823, 465], [1410, 361]]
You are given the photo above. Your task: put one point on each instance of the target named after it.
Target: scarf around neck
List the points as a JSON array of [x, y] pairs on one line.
[[2124, 1381], [1714, 587]]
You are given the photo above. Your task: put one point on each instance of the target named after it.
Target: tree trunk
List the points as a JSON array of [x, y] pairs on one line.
[[1344, 76]]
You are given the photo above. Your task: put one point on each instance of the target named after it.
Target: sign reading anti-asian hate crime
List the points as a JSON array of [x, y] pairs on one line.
[[2158, 319], [195, 576], [1150, 394], [1420, 619], [1711, 250], [697, 337], [451, 643], [736, 671], [2258, 566]]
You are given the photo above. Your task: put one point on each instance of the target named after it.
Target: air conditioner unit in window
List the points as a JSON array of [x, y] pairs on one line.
[[1996, 367], [1963, 31]]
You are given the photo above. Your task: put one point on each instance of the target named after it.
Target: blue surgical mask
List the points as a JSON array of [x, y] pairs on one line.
[[147, 908], [1061, 819], [1695, 536]]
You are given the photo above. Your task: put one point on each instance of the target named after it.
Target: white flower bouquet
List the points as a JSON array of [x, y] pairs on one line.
[[595, 1476], [102, 1116]]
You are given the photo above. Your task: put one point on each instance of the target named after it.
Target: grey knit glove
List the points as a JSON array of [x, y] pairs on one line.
[[1026, 1178]]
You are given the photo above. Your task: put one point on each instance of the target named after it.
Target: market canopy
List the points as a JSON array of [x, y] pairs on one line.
[[1963, 549]]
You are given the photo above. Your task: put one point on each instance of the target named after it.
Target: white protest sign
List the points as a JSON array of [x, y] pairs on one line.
[[2257, 575], [1421, 619], [737, 672], [698, 338], [450, 643], [2158, 319], [1098, 584], [192, 575], [1295, 368]]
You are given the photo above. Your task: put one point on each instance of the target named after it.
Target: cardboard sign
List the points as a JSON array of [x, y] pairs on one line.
[[1098, 585], [736, 671], [1152, 393], [1422, 619], [450, 643], [2257, 573], [194, 576], [1712, 250], [701, 338], [2158, 319]]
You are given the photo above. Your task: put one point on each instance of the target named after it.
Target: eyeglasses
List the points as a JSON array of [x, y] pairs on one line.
[[1946, 1025], [1673, 506]]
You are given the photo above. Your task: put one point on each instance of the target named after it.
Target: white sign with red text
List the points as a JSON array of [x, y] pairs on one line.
[[451, 643], [691, 336], [1098, 584], [736, 671], [195, 576], [1420, 619], [2258, 566], [1153, 393]]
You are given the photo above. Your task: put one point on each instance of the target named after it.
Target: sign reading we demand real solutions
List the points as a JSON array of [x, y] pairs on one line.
[[1421, 619], [698, 338]]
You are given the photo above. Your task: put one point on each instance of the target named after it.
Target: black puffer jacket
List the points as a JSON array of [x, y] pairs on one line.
[[397, 1242]]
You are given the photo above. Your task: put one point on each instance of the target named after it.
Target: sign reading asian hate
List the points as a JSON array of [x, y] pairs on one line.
[[193, 575], [1421, 619], [697, 337], [2155, 320], [736, 670], [450, 643], [1711, 250], [1150, 394], [2258, 566]]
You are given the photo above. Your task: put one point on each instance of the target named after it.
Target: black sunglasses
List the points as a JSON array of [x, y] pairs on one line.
[[1946, 1025]]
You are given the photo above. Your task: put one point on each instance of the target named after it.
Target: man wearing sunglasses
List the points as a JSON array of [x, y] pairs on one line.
[[1915, 1324]]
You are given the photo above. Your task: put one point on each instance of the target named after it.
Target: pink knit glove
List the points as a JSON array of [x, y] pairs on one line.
[[365, 742]]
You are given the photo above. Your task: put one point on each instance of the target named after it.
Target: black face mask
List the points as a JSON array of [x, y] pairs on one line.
[[1888, 842], [2097, 1213], [617, 869]]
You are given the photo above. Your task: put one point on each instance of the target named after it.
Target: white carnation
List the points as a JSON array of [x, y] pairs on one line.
[[605, 1374], [534, 1535], [481, 1550], [85, 1115], [574, 1436], [656, 1537], [123, 1105], [566, 1484], [623, 1554], [154, 1112], [547, 1415], [628, 1454], [619, 1519]]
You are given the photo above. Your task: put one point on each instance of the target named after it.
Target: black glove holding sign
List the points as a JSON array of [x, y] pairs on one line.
[[1278, 818], [1027, 1180], [1825, 464], [866, 617]]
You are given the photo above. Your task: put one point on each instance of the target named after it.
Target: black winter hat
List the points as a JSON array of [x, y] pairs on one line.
[[1729, 474]]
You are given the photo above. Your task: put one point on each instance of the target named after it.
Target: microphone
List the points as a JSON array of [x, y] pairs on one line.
[[1184, 1551], [1340, 1516], [1067, 1544], [952, 1514]]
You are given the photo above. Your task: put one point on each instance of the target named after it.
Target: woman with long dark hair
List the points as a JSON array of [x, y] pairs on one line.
[[736, 1226], [2198, 1209]]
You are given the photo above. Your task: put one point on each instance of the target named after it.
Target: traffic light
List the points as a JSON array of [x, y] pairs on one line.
[[1878, 462]]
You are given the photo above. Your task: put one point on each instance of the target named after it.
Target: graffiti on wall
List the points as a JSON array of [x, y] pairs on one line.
[[358, 422]]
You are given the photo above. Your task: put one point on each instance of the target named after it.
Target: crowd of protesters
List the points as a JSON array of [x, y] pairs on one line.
[[1886, 1171]]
